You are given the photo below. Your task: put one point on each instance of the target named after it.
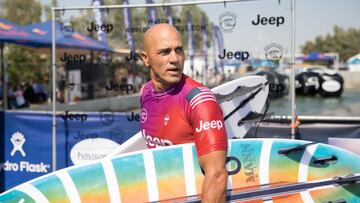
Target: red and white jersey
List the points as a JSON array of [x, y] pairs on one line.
[[186, 112]]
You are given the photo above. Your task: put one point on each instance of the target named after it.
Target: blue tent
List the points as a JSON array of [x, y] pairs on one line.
[[13, 33], [40, 35], [74, 40], [315, 56]]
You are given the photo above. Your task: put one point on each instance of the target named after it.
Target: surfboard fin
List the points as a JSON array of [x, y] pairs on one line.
[[239, 91], [255, 117], [336, 201], [246, 100], [350, 179], [325, 160], [286, 151]]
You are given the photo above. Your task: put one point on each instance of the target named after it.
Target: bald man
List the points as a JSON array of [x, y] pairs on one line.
[[176, 109]]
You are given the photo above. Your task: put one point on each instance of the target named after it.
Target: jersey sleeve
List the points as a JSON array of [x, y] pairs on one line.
[[207, 121]]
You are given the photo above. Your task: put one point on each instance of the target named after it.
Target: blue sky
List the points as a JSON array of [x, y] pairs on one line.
[[313, 17]]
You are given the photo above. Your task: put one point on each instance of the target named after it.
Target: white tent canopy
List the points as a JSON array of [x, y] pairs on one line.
[[354, 63]]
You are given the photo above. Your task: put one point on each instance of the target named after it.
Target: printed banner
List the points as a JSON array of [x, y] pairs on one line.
[[81, 137], [99, 18], [169, 15], [205, 37], [27, 147], [214, 48], [151, 13], [190, 40], [127, 22], [220, 42]]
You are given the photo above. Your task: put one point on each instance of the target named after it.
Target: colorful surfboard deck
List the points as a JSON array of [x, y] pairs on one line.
[[238, 99], [256, 166]]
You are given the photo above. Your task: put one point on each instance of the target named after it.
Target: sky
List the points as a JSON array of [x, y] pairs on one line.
[[313, 18]]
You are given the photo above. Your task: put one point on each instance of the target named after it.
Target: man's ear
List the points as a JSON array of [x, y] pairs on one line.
[[144, 57]]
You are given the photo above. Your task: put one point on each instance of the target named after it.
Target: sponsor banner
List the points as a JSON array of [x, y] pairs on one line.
[[151, 11], [220, 42], [27, 147], [2, 147], [99, 19], [81, 137], [128, 22], [169, 15], [190, 40], [92, 138], [205, 39]]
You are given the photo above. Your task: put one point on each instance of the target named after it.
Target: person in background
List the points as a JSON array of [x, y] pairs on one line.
[[19, 96], [40, 92]]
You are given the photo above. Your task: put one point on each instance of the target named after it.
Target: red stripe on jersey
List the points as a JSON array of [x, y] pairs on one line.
[[204, 100], [205, 95]]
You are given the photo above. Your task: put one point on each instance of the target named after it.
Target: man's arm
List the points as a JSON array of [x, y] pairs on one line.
[[210, 142], [215, 181]]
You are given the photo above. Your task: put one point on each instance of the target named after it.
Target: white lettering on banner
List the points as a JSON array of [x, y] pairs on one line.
[[28, 167], [155, 141], [91, 149], [25, 166], [90, 156], [7, 166], [209, 125]]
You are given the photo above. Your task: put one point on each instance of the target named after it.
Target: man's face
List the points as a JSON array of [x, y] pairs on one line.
[[165, 57]]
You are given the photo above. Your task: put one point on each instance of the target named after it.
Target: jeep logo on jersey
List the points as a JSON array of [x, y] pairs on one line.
[[208, 125], [155, 141]]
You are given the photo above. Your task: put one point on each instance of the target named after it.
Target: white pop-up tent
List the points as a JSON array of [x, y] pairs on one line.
[[354, 63]]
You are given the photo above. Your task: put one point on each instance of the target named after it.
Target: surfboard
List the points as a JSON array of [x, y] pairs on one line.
[[238, 99], [260, 170]]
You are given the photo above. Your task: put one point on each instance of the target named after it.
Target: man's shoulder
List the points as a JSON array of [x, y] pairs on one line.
[[190, 84], [194, 89], [145, 89]]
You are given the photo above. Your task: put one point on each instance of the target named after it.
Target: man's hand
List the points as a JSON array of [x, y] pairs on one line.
[[215, 181]]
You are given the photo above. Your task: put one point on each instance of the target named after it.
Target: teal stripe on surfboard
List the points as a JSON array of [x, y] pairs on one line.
[[52, 188], [16, 196], [170, 173], [131, 178], [284, 169], [85, 183], [336, 168]]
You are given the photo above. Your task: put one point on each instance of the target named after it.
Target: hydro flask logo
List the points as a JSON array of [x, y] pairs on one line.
[[18, 140]]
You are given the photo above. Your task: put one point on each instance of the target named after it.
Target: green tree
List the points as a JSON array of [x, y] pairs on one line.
[[23, 12], [47, 10], [344, 42], [22, 63]]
